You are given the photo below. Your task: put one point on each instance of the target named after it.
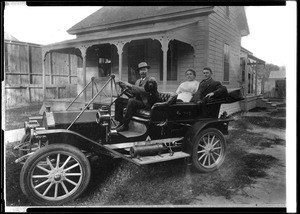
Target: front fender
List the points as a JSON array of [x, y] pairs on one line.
[[196, 128], [221, 124], [73, 138]]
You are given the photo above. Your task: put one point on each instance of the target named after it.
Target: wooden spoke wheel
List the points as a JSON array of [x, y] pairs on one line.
[[55, 174], [209, 150]]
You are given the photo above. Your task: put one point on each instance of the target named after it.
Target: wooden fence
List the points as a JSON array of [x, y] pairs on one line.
[[24, 74]]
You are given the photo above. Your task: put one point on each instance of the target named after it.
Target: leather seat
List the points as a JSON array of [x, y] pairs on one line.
[[168, 99]]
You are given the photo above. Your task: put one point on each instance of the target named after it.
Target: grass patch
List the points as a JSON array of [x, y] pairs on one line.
[[14, 195], [266, 122], [15, 117]]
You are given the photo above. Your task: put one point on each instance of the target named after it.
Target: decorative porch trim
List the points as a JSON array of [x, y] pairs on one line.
[[164, 41], [120, 46]]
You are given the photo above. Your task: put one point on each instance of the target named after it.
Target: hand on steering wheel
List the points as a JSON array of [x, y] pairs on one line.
[[126, 89]]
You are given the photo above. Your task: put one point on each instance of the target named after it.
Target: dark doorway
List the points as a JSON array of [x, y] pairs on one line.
[[280, 88], [136, 54]]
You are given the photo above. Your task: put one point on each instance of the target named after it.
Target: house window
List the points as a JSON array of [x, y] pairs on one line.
[[226, 63], [104, 67], [171, 62], [227, 11]]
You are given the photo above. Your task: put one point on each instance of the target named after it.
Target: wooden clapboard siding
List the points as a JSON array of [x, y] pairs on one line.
[[224, 30], [231, 108]]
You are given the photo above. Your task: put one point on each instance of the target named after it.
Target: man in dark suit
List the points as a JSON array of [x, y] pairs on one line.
[[208, 88], [145, 97]]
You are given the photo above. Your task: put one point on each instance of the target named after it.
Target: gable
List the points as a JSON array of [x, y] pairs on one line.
[[242, 21]]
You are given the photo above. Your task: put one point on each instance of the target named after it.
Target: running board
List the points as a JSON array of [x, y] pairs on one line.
[[159, 158], [141, 143]]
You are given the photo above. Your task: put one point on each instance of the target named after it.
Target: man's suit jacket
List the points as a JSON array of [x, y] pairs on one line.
[[207, 86], [142, 95], [140, 82]]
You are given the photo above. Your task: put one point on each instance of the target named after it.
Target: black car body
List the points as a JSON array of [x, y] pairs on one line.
[[55, 151]]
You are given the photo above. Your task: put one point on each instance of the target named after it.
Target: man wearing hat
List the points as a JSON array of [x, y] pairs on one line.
[[143, 70], [132, 104]]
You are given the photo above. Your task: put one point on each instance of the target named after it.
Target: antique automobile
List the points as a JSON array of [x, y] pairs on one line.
[[56, 151]]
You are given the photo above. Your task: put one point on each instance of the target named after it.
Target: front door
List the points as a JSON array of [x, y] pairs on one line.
[[136, 54], [280, 88]]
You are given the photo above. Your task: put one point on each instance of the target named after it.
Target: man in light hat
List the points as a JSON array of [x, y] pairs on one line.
[[143, 68], [140, 97]]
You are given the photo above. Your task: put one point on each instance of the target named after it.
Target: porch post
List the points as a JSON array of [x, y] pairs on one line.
[[83, 49], [120, 46], [164, 47], [246, 76], [44, 52], [256, 78]]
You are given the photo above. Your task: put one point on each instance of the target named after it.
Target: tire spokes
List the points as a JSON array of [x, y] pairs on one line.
[[209, 150], [56, 176]]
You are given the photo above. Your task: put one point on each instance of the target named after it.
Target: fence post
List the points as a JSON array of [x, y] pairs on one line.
[[69, 59], [44, 52], [57, 92]]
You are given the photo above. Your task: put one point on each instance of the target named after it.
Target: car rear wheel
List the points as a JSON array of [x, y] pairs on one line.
[[209, 149], [55, 174]]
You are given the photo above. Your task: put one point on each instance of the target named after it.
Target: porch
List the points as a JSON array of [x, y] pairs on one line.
[[167, 48]]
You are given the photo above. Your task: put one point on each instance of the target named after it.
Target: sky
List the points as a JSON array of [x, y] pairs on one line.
[[269, 38]]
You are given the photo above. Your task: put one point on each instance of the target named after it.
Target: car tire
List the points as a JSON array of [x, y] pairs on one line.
[[55, 174], [209, 150]]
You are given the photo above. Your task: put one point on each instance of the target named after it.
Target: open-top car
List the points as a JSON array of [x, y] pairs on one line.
[[55, 151]]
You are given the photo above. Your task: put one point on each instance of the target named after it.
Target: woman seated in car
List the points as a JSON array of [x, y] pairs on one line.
[[187, 89]]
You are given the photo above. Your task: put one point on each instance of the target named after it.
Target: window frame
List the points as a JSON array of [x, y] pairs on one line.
[[226, 62]]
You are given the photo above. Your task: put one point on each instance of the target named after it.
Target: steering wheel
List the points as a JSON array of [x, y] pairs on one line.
[[126, 90]]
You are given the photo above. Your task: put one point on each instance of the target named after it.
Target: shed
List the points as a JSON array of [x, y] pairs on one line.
[[275, 86]]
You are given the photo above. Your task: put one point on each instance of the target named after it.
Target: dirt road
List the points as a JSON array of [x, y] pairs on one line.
[[253, 174]]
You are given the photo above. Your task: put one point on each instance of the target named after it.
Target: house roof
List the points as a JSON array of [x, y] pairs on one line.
[[103, 37], [242, 21], [280, 74], [110, 16], [246, 51]]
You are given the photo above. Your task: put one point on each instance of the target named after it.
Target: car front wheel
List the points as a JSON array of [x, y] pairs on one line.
[[209, 149], [55, 174]]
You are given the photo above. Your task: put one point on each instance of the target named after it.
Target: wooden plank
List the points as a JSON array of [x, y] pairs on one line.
[[73, 65], [17, 73], [60, 63], [39, 74], [69, 66], [51, 68], [36, 63], [47, 64], [14, 60], [28, 98], [22, 43], [50, 93], [36, 79], [23, 63]]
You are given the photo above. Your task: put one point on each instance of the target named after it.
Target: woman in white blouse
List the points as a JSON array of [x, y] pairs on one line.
[[186, 89]]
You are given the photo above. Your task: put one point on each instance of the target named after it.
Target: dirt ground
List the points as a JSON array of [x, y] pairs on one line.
[[252, 175]]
